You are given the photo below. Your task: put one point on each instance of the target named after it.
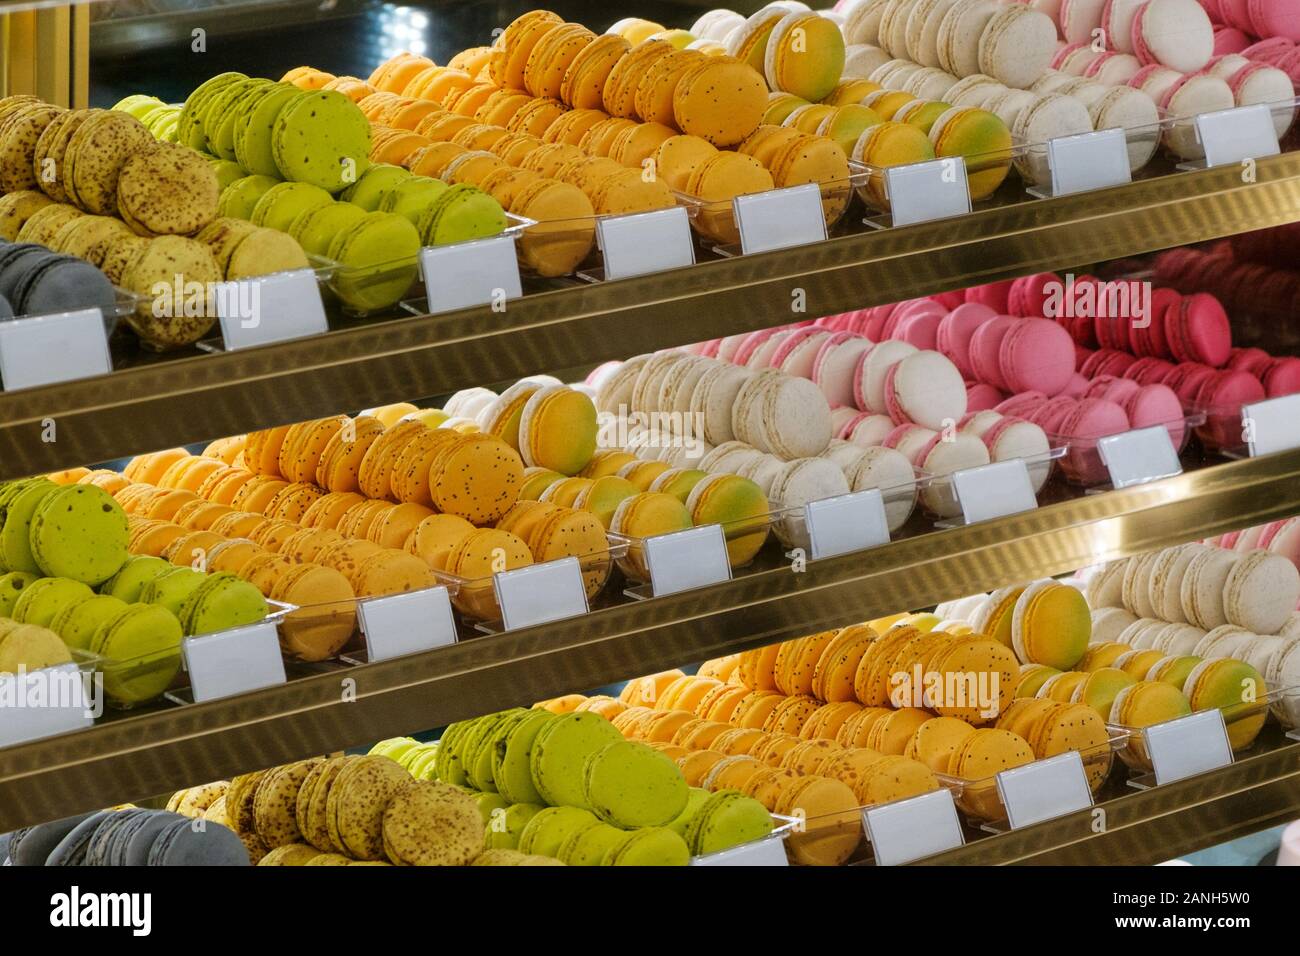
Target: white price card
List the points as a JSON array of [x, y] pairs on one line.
[[645, 242], [994, 491], [923, 192], [769, 851], [466, 274], [1088, 161], [233, 662], [399, 624], [1236, 135], [1138, 456], [1272, 426], [852, 522], [685, 560], [45, 702], [780, 218], [540, 593], [273, 308], [1044, 789], [913, 829], [1189, 745], [44, 349]]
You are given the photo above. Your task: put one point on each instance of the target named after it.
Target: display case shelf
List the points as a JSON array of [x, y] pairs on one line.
[[174, 401], [333, 707]]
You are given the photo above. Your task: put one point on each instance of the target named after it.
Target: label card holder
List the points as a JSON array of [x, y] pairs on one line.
[[466, 274], [401, 624], [1044, 789], [1138, 456], [845, 523], [42, 703], [1088, 161], [766, 852], [685, 560], [645, 242], [1272, 426], [233, 662], [924, 192], [266, 309], [994, 491], [914, 828], [1188, 746], [45, 349], [1236, 135], [780, 218], [540, 593]]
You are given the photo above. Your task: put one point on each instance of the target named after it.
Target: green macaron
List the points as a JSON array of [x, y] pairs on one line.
[[316, 228], [588, 846], [560, 752], [141, 645], [169, 590], [131, 578], [220, 602], [411, 197], [510, 759], [321, 138], [16, 513], [284, 202], [40, 602], [651, 846], [253, 130], [503, 831], [78, 621], [11, 588], [79, 532], [549, 828], [728, 818], [463, 212], [629, 785], [377, 261], [240, 198], [369, 190]]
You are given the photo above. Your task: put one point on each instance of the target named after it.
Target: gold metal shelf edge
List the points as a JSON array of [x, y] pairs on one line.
[[203, 397], [140, 755]]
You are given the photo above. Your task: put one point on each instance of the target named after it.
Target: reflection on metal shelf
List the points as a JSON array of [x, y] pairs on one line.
[[149, 752]]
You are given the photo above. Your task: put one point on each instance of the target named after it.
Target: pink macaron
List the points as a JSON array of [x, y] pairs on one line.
[[1230, 40], [921, 329], [873, 323], [1147, 337], [1091, 419], [1282, 377], [1076, 386], [953, 335], [1021, 404], [1029, 295], [745, 351], [995, 295], [1199, 331], [1254, 361], [1156, 405], [1036, 355], [1149, 370], [1274, 18], [869, 376], [1221, 397], [980, 396], [1187, 379], [1051, 414], [985, 349]]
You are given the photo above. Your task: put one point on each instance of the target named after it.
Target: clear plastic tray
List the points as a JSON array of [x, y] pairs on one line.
[[782, 828], [745, 538], [379, 288], [715, 220], [1181, 136], [1082, 465], [980, 800], [1142, 143], [136, 681], [1283, 704], [869, 180], [476, 598], [939, 496]]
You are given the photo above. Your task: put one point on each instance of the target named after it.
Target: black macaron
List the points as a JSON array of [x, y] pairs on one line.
[[63, 284]]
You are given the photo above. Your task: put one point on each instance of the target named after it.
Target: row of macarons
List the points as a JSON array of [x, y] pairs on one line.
[[1257, 20], [1245, 580], [1245, 275]]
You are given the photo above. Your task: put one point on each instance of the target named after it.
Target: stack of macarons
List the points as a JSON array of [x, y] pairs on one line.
[[1266, 32], [562, 782], [38, 280], [126, 836], [348, 811]]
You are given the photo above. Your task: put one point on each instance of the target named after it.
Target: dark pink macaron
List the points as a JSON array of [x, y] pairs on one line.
[[1149, 370], [1282, 377], [1051, 414], [1199, 331], [1029, 294], [1221, 397], [1254, 361], [1020, 404], [995, 295], [1147, 336], [1036, 355], [1076, 386], [920, 329], [1151, 405]]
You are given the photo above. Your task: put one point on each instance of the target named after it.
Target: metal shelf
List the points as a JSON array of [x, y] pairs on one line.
[[150, 752], [201, 397], [1140, 828]]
